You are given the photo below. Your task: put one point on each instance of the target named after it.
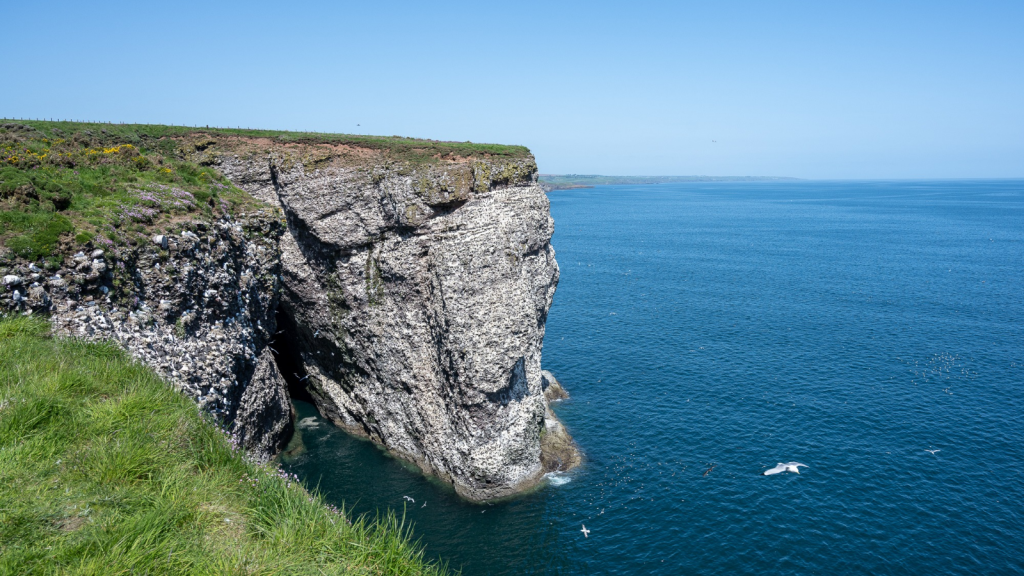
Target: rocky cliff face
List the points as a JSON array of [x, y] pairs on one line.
[[407, 297], [198, 307], [417, 297]]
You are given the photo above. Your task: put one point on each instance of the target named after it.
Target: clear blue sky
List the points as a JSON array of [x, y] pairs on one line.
[[806, 89]]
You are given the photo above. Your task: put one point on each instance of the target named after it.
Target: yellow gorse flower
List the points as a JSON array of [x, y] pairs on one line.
[[117, 149], [11, 153]]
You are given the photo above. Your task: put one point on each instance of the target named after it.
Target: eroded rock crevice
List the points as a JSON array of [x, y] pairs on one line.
[[288, 358]]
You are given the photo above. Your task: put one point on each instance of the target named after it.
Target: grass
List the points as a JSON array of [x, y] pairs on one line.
[[35, 234], [86, 190], [400, 147], [106, 470]]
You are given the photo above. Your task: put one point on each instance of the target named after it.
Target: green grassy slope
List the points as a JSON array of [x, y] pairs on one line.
[[79, 188], [106, 470]]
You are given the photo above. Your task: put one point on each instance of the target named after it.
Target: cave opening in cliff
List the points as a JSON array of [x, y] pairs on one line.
[[288, 358]]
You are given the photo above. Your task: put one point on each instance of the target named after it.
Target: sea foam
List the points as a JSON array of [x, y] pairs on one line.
[[558, 478]]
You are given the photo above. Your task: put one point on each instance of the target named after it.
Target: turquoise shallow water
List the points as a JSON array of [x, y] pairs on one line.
[[849, 326]]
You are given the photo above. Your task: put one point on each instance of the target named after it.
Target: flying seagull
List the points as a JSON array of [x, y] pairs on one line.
[[409, 499], [933, 451], [787, 467], [586, 533]]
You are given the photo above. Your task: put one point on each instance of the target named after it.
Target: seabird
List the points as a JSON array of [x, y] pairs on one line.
[[586, 533], [409, 499], [933, 451], [787, 467]]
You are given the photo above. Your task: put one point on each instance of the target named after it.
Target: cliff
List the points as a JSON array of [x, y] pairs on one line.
[[404, 285]]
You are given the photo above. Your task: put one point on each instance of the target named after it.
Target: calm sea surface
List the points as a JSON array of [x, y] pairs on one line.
[[707, 332]]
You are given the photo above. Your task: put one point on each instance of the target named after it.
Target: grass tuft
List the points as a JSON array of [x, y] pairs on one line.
[[104, 469]]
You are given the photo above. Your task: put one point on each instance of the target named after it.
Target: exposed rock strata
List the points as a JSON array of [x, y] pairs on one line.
[[552, 388], [558, 451]]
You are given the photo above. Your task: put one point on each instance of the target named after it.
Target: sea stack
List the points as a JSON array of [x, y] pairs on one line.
[[414, 298]]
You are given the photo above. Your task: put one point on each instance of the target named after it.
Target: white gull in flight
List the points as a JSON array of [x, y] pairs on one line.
[[787, 467]]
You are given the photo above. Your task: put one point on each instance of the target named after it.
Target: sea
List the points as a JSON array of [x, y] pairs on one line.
[[870, 330]]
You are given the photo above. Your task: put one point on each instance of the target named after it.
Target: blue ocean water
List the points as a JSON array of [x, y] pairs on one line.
[[707, 332]]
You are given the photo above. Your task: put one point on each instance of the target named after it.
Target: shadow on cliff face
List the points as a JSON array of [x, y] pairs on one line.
[[288, 358]]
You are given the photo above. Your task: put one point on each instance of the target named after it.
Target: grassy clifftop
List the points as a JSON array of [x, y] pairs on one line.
[[400, 147], [75, 188], [67, 186], [106, 470]]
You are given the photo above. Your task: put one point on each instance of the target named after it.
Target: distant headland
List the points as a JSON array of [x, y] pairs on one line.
[[570, 181]]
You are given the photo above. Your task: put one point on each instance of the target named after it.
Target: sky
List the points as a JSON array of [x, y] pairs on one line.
[[871, 90]]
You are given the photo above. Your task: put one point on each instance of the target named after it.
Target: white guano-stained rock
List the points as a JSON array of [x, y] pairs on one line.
[[419, 296]]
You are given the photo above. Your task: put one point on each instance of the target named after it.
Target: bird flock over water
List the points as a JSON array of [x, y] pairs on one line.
[[943, 368]]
